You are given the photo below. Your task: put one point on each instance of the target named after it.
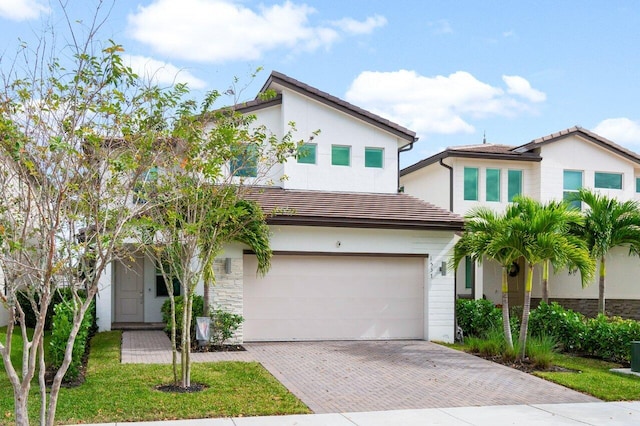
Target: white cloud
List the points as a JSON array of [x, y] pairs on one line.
[[441, 26], [228, 30], [519, 86], [620, 130], [352, 26], [440, 104], [161, 72], [22, 10]]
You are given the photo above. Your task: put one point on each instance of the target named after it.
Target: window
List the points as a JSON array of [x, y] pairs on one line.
[[638, 184], [340, 155], [471, 183], [245, 163], [468, 272], [373, 157], [142, 188], [307, 153], [572, 182], [514, 184], [608, 180], [493, 185], [161, 287]]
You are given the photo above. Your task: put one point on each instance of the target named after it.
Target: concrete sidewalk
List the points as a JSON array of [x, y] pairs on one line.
[[590, 413]]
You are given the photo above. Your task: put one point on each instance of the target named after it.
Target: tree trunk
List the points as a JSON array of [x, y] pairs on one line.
[[545, 281], [174, 346], [506, 324], [601, 299], [20, 397], [205, 295], [42, 383], [526, 308]]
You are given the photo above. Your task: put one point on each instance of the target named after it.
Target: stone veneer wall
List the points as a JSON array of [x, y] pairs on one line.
[[625, 308], [226, 293]]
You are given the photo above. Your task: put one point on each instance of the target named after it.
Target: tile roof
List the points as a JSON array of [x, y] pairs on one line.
[[335, 102], [354, 210]]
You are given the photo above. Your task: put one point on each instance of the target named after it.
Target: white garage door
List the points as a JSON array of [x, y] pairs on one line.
[[334, 297]]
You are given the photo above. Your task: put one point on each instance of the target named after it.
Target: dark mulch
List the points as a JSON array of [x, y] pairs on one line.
[[525, 365], [217, 348], [173, 388]]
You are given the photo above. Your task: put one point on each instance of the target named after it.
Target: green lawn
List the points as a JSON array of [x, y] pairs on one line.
[[593, 377], [115, 392]]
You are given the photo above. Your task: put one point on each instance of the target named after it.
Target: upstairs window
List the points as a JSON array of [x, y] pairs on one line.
[[373, 157], [608, 180], [142, 189], [307, 153], [638, 185], [514, 184], [340, 155], [471, 183], [245, 163], [571, 184], [492, 185]]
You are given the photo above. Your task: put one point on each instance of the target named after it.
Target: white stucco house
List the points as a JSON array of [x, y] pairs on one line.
[[547, 168], [353, 257]]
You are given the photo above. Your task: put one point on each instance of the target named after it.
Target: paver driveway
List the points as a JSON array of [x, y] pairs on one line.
[[333, 377]]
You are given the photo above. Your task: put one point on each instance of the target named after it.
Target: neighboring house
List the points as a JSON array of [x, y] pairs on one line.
[[548, 168], [353, 258]]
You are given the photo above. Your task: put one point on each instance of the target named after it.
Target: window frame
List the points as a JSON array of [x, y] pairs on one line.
[[245, 163], [567, 191], [637, 184], [334, 149], [495, 185], [377, 151], [467, 190], [512, 172], [313, 147], [609, 174], [160, 284]]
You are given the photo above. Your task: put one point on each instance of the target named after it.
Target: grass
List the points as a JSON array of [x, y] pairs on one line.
[[592, 376], [115, 392], [586, 375]]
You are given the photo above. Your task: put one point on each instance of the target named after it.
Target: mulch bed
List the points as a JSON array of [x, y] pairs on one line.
[[195, 387], [525, 365], [217, 348]]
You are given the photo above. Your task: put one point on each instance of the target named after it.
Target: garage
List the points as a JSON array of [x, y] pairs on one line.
[[334, 297]]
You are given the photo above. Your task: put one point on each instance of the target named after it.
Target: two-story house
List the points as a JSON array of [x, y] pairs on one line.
[[547, 168], [353, 257]]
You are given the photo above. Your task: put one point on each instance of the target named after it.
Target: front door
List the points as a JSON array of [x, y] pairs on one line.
[[129, 285]]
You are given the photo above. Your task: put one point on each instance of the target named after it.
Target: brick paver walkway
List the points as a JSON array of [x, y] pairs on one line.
[[338, 377]]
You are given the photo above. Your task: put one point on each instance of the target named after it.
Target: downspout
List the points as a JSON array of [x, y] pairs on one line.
[[405, 148], [450, 183]]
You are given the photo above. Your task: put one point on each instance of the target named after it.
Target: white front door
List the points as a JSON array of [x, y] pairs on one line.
[[129, 285]]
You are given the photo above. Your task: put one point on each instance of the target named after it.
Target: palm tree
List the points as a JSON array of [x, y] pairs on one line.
[[487, 234], [541, 233], [608, 223]]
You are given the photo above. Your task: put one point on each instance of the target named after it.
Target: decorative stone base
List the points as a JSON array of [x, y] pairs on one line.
[[625, 308], [226, 293]]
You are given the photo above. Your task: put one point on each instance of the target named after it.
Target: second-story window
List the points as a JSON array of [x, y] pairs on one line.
[[471, 183], [514, 184], [307, 153], [608, 180], [245, 163], [340, 155], [374, 157], [142, 189], [571, 184], [492, 185], [638, 185]]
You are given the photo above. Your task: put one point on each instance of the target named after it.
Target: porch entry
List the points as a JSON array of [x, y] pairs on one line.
[[129, 290]]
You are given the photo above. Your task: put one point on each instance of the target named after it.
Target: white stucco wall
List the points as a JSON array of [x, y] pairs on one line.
[[4, 315], [337, 128], [104, 299], [430, 184]]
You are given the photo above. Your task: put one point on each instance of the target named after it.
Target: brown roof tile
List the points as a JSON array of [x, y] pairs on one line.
[[355, 210]]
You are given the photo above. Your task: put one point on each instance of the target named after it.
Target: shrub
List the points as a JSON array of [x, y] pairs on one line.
[[477, 317], [223, 325], [610, 338], [198, 309], [59, 296], [567, 327], [61, 329]]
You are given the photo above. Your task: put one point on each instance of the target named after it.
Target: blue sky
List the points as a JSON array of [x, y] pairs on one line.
[[450, 70]]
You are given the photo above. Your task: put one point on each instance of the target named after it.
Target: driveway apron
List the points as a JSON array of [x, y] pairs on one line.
[[336, 376]]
